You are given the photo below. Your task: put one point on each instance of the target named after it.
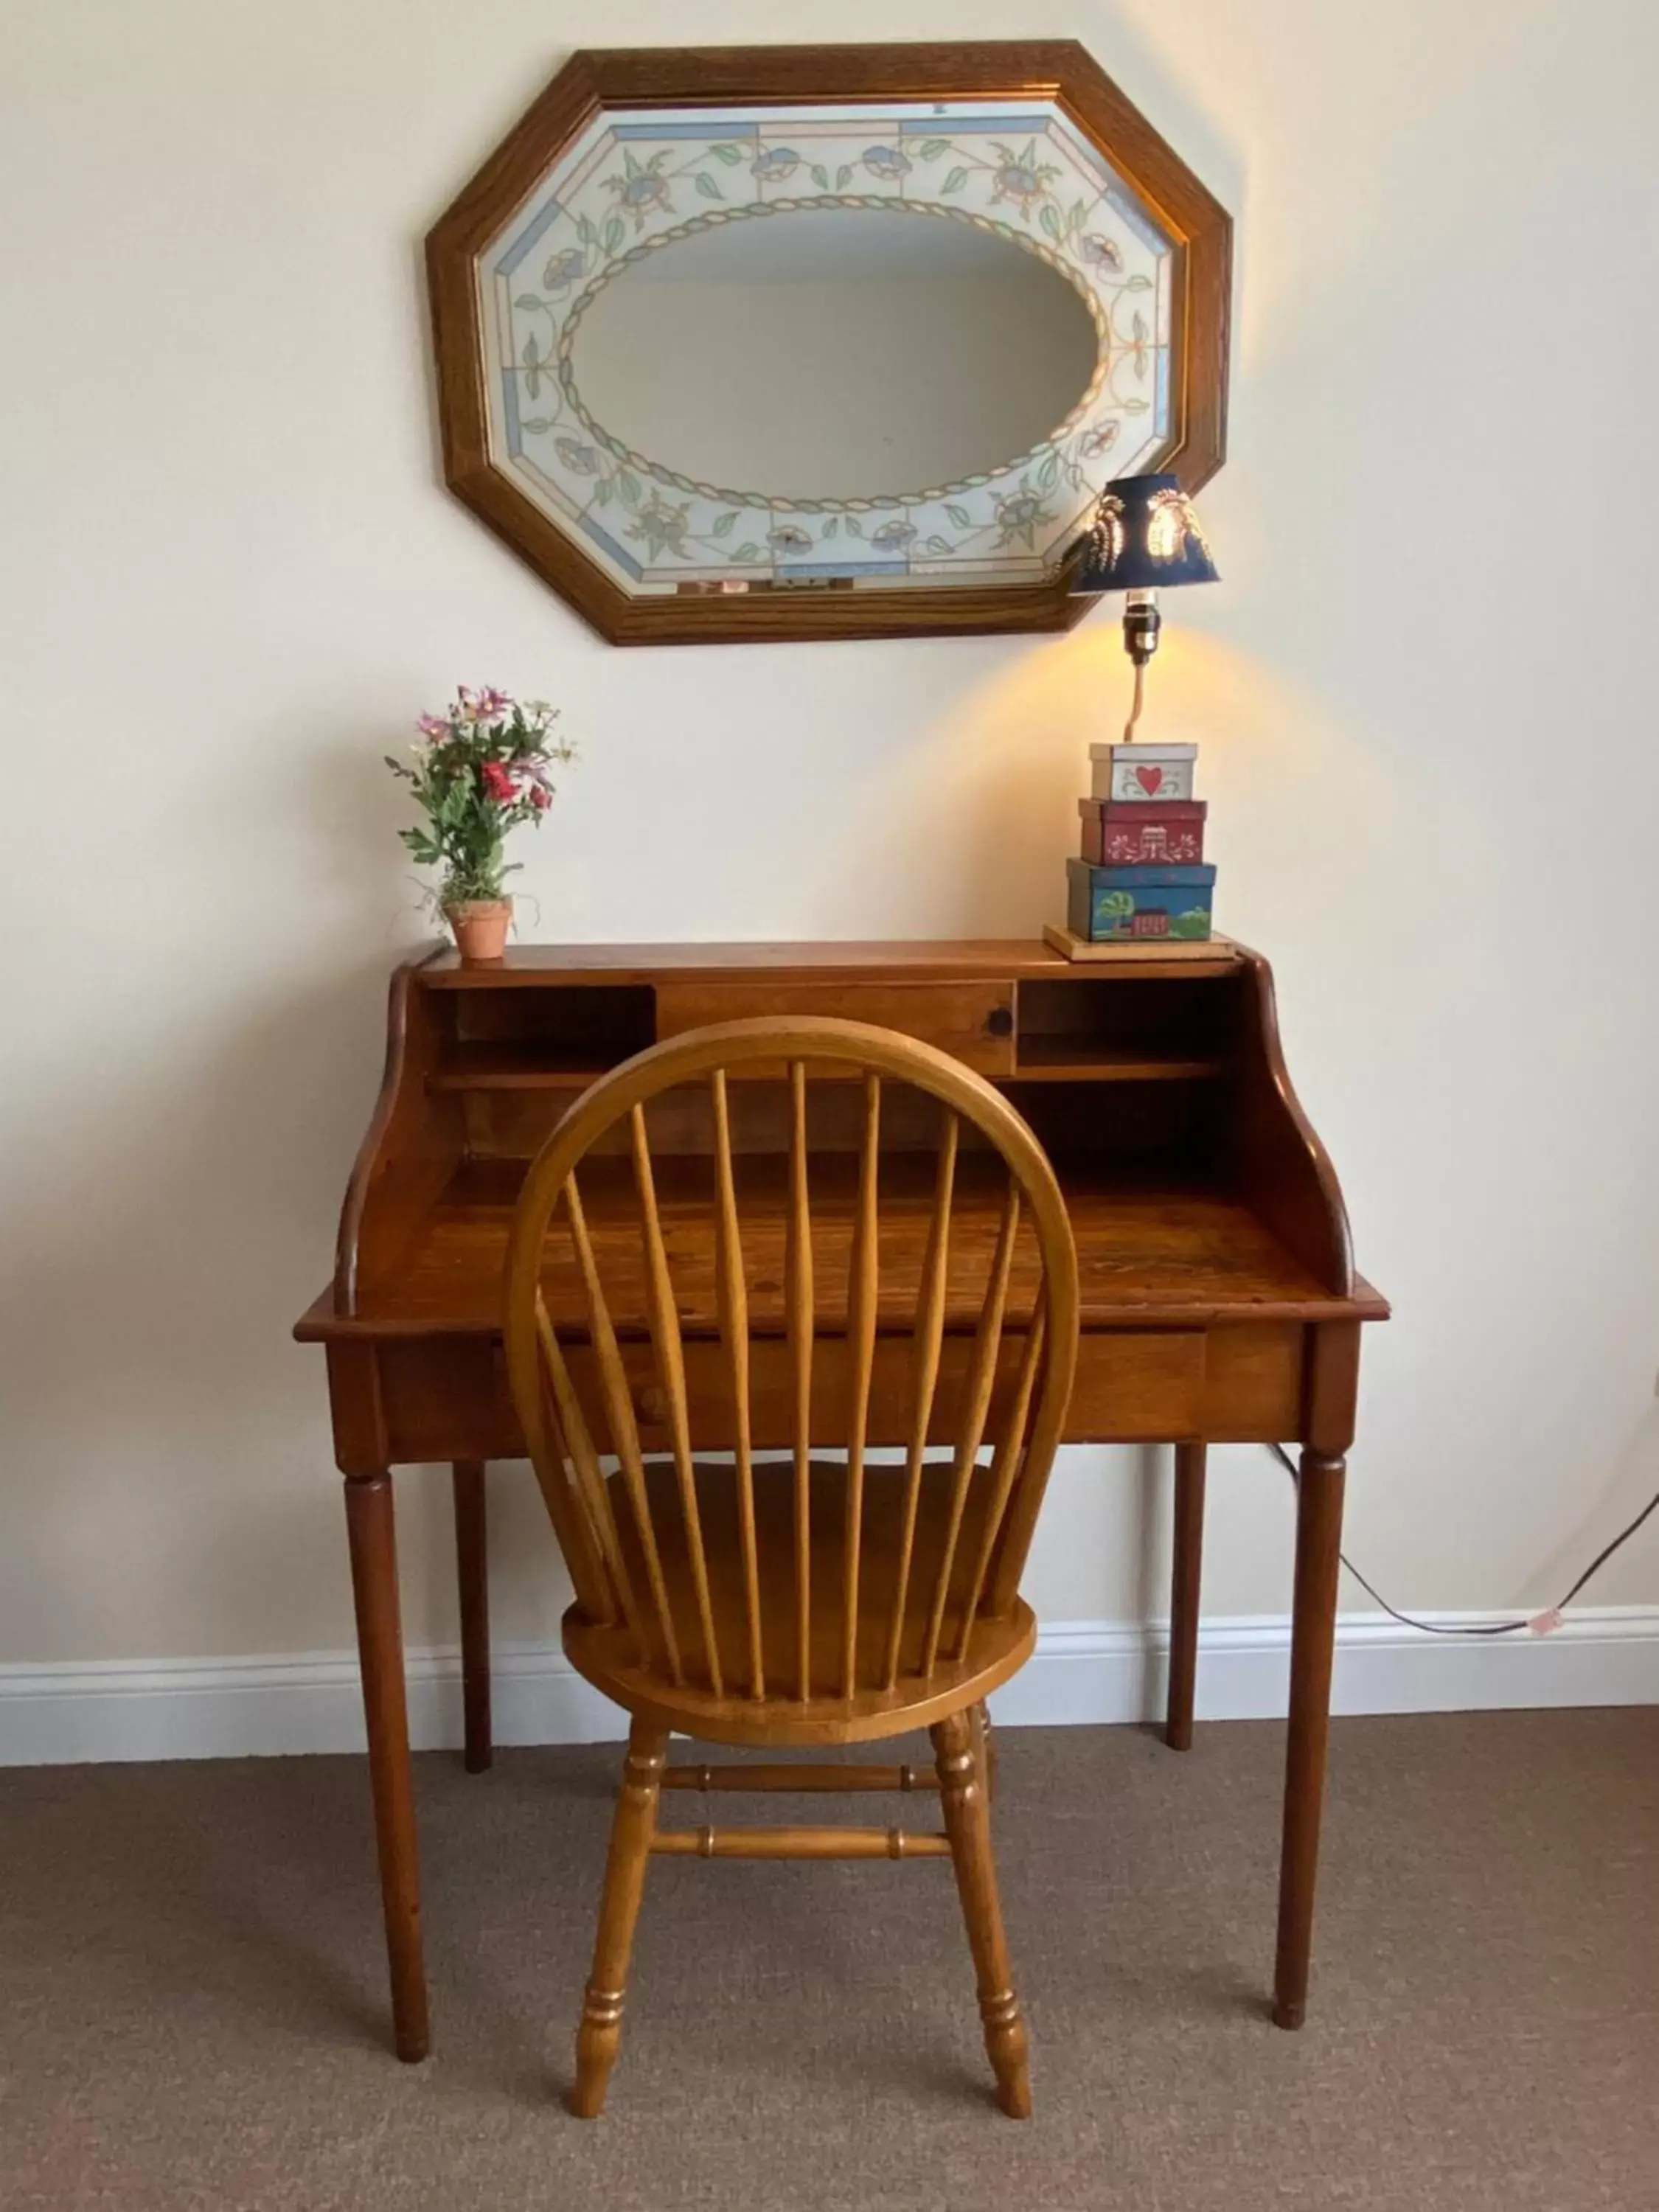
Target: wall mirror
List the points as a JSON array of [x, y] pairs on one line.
[[808, 342]]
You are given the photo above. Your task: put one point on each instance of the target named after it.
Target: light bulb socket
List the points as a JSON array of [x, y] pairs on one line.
[[1141, 624]]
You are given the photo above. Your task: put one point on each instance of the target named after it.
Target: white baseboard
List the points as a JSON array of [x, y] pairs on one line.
[[1084, 1671]]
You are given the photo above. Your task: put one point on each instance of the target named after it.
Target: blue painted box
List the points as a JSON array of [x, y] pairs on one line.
[[1103, 903]]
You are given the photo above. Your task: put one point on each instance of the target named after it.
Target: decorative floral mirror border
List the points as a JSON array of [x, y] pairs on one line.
[[629, 152]]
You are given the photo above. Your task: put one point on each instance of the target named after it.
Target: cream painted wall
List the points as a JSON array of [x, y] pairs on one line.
[[231, 577]]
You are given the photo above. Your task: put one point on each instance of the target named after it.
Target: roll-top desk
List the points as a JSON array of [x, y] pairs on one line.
[[1219, 1300]]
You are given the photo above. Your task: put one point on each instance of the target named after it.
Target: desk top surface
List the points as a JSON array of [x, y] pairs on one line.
[[897, 960], [1149, 1253]]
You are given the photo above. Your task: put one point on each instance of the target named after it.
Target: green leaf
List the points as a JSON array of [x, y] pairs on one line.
[[1049, 475], [820, 176], [831, 527], [588, 230], [723, 525], [843, 176], [955, 181], [1075, 214], [938, 545], [855, 527], [604, 491], [535, 423], [727, 153], [747, 553], [931, 149], [614, 234], [530, 303], [1049, 218], [708, 187], [1139, 284], [628, 486], [960, 516]]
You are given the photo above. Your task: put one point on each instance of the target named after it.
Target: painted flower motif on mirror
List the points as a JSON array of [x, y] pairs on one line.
[[729, 341]]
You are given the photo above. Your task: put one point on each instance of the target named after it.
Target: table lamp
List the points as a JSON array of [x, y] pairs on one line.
[[1145, 536]]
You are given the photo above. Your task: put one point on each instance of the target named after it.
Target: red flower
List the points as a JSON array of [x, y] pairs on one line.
[[540, 799], [498, 783]]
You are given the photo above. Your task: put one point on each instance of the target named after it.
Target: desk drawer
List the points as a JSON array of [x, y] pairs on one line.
[[447, 1398], [973, 1022]]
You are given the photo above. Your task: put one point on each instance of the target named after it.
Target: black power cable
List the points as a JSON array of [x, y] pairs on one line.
[[1542, 1622]]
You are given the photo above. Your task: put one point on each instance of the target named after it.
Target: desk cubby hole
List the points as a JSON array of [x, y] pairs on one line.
[[1122, 1025], [555, 1035], [1165, 1132]]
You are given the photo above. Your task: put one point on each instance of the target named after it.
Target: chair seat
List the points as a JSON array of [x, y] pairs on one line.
[[608, 1657]]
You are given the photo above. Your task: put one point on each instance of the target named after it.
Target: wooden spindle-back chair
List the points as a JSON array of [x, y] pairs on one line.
[[801, 1601]]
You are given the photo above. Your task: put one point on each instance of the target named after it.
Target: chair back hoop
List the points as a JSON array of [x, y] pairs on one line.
[[793, 1581]]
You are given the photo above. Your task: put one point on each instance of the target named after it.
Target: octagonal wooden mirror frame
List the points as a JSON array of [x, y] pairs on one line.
[[1194, 244]]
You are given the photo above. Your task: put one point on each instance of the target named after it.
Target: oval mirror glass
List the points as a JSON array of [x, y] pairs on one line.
[[834, 354]]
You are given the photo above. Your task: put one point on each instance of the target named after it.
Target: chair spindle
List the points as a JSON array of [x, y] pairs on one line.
[[981, 1380], [599, 1541], [798, 1295], [1004, 1465], [863, 1283], [619, 1416], [732, 1300], [671, 1366], [929, 1337]]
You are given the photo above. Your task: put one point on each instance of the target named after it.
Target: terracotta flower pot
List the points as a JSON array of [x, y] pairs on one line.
[[480, 928]]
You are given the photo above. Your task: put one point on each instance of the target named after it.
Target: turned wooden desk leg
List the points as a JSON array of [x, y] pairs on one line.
[[1313, 1639], [372, 1531], [1186, 1573], [472, 1572]]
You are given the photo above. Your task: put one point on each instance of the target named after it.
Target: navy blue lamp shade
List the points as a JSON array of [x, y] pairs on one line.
[[1145, 537]]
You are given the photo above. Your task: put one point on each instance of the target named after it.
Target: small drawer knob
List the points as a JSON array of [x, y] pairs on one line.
[[999, 1022], [651, 1405]]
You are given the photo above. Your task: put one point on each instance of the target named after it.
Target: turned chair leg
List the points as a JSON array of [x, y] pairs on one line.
[[632, 1828], [985, 1747], [968, 1824]]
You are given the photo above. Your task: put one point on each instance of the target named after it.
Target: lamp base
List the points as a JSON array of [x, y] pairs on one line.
[[1220, 951]]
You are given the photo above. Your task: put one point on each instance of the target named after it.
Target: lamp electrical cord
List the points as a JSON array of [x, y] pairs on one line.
[[1540, 1623]]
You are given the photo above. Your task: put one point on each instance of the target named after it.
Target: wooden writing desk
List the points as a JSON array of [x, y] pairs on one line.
[[1219, 1300]]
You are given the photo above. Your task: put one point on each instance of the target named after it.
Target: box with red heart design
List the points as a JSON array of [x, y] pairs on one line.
[[1134, 775]]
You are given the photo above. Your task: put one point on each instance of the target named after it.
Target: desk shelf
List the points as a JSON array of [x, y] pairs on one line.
[[1082, 1060], [530, 1066], [515, 1067]]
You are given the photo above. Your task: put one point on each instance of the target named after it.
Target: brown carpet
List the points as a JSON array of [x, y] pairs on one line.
[[192, 1997]]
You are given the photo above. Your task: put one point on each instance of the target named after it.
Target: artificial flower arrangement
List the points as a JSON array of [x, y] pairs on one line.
[[481, 769]]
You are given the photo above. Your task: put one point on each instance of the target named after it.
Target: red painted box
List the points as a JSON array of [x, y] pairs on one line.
[[1117, 835]]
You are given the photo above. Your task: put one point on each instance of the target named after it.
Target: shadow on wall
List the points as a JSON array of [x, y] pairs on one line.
[[166, 1434], [150, 1295]]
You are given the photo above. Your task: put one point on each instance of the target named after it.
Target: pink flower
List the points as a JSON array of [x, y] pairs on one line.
[[540, 799], [486, 707], [432, 727], [498, 783]]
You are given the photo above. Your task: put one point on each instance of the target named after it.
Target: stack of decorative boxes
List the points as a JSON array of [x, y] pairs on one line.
[[1142, 872]]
